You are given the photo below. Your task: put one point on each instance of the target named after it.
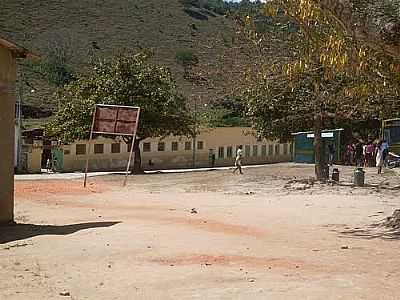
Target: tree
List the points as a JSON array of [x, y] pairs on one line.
[[374, 22], [123, 80], [327, 76]]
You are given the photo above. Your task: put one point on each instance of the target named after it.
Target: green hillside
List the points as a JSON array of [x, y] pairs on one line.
[[87, 28]]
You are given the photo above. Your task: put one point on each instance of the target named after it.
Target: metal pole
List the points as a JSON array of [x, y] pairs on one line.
[[19, 118], [133, 144], [90, 143], [195, 133]]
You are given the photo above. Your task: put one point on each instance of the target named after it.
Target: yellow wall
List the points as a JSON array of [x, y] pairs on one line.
[[34, 159], [211, 138], [7, 119]]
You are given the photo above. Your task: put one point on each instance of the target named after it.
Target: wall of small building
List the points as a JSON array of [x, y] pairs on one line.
[[177, 152], [7, 119]]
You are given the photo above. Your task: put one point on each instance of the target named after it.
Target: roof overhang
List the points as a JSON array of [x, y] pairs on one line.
[[325, 130], [19, 52]]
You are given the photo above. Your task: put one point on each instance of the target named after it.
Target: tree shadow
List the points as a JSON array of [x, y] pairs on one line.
[[374, 231], [18, 232]]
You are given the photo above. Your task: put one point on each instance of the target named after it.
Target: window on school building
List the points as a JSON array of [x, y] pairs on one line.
[[161, 146], [285, 149], [277, 147], [80, 149], [67, 152], [264, 150], [200, 145], [116, 148], [98, 148], [221, 151], [270, 150], [255, 150], [174, 146], [247, 150], [229, 151], [146, 147], [188, 146]]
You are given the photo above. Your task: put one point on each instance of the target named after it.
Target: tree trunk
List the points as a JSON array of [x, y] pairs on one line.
[[319, 150], [137, 162]]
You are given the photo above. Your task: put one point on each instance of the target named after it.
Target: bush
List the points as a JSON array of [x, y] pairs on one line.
[[187, 58]]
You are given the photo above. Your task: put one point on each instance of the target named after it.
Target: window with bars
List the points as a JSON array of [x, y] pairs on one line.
[[247, 150], [188, 146], [285, 149], [80, 149], [146, 147], [161, 146], [200, 145], [221, 153], [229, 151], [174, 146], [98, 148], [264, 150], [255, 150], [277, 149], [116, 148]]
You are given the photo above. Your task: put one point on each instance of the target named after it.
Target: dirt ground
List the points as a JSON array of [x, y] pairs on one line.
[[208, 235]]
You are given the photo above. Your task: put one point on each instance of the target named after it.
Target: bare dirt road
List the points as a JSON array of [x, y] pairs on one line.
[[210, 235]]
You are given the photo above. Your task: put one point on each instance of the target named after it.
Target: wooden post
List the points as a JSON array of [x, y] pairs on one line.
[[132, 146], [89, 146]]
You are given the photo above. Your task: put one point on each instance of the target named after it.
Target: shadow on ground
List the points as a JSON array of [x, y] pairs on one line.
[[375, 231], [18, 232]]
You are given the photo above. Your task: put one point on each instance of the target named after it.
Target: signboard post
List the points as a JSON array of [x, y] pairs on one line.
[[114, 120]]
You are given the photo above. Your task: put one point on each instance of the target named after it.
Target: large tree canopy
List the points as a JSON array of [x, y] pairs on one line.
[[374, 22], [122, 80]]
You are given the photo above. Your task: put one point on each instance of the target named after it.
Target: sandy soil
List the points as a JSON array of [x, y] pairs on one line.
[[210, 235]]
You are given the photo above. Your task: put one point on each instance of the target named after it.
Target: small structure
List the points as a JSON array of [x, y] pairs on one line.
[[391, 133], [9, 53], [304, 145]]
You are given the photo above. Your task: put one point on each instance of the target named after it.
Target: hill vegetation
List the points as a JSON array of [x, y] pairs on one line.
[[70, 35]]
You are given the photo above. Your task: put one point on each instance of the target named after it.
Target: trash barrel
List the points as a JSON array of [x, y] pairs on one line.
[[359, 177], [335, 175]]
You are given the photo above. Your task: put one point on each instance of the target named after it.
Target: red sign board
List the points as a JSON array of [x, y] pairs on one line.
[[116, 120]]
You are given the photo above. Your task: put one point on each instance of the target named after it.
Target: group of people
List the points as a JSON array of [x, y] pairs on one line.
[[367, 154]]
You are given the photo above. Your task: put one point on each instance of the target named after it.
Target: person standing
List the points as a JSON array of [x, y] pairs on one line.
[[238, 160], [358, 154], [369, 153], [349, 155], [331, 152], [385, 147], [379, 156], [48, 165]]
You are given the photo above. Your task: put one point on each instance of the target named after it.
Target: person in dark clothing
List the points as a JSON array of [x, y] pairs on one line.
[[358, 154], [331, 152]]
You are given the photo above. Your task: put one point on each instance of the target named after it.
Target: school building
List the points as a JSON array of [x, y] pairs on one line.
[[212, 147]]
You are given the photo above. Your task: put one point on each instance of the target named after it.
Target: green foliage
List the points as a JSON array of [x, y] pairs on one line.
[[187, 58], [327, 74], [55, 67], [122, 80]]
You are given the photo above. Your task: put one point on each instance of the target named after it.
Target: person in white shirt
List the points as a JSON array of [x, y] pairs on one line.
[[238, 160], [379, 157], [385, 147]]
